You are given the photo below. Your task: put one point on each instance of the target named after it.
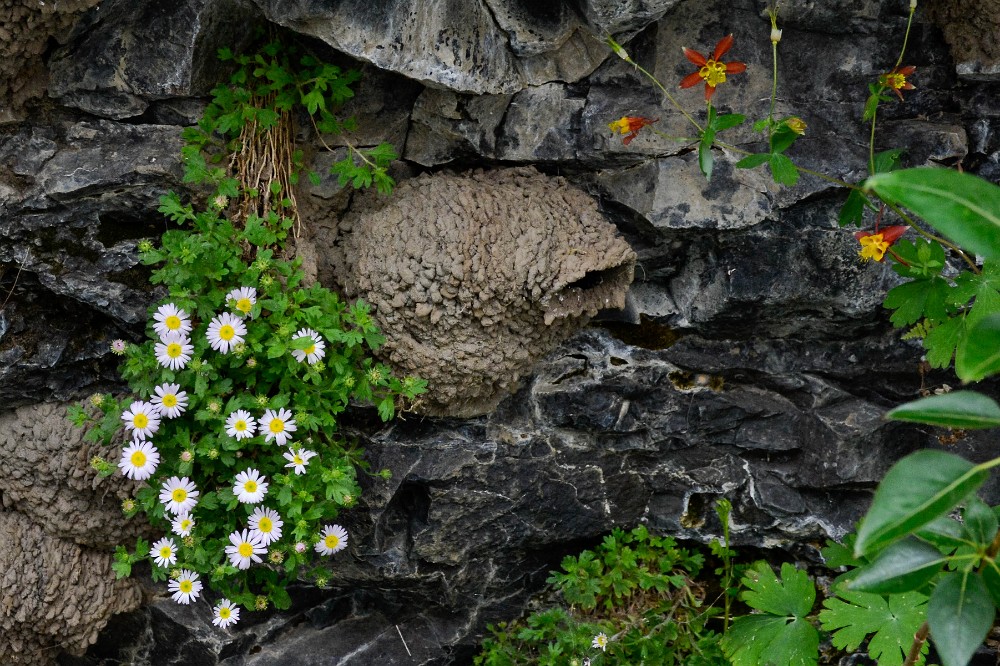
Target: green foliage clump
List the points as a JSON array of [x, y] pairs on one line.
[[292, 349], [636, 594]]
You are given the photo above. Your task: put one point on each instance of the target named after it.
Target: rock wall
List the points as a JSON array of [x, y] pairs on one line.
[[759, 371]]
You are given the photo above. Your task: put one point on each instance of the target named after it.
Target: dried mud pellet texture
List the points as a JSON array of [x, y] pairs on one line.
[[60, 521], [25, 29], [473, 278]]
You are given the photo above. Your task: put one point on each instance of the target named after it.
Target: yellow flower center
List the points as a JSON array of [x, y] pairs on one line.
[[170, 400], [173, 322], [240, 425], [179, 495], [331, 541], [244, 305], [873, 247], [224, 613], [895, 80], [246, 550], [714, 72], [310, 349], [186, 586], [185, 525], [138, 459], [140, 420], [297, 459], [264, 525], [276, 426], [165, 553], [174, 349], [227, 332], [250, 486]]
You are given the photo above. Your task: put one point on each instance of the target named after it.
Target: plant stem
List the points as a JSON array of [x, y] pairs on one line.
[[929, 236], [666, 93], [774, 93], [919, 639]]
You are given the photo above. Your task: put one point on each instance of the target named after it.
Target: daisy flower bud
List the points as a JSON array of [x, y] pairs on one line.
[[321, 581], [118, 347], [96, 399], [128, 505], [214, 407], [276, 557], [260, 603], [213, 454], [145, 245], [186, 456], [300, 547], [251, 362]]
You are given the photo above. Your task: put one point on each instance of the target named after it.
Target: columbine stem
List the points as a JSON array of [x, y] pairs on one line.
[[666, 93]]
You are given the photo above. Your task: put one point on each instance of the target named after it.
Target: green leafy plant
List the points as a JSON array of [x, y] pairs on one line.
[[634, 599], [238, 390]]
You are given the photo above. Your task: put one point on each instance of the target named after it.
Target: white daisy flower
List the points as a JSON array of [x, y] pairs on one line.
[[226, 613], [298, 459], [600, 641], [171, 319], [225, 332], [277, 425], [178, 495], [182, 525], [250, 487], [242, 300], [139, 460], [142, 419], [170, 400], [173, 351], [246, 547], [164, 552], [315, 351], [265, 524], [332, 539], [186, 587], [241, 424]]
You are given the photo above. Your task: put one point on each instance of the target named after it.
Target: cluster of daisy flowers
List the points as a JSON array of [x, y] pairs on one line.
[[179, 495]]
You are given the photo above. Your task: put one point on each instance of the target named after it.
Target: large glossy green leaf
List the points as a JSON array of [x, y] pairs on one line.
[[964, 208], [904, 566], [979, 356], [960, 614], [958, 409], [919, 488]]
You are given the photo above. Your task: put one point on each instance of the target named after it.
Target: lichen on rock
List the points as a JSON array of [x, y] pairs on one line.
[[475, 277]]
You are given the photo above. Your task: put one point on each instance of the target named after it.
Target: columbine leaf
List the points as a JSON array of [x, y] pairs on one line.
[[753, 161], [913, 301], [942, 341], [768, 640], [794, 594], [852, 212], [853, 616], [963, 207], [729, 120], [916, 490], [902, 567], [888, 160], [960, 614], [958, 409], [783, 169]]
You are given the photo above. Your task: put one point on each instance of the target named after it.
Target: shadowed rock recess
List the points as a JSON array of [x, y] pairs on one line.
[[759, 369]]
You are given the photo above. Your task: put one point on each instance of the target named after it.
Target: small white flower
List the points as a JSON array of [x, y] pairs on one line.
[[171, 319], [250, 487], [170, 400], [241, 424], [226, 613], [246, 547], [600, 641], [186, 587], [332, 539], [277, 425], [139, 460], [173, 351], [142, 419], [182, 525], [164, 552], [242, 300], [298, 459], [316, 349], [178, 495], [266, 524], [225, 332]]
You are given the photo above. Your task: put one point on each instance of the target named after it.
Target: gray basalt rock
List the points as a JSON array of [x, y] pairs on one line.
[[481, 46], [111, 71], [474, 278]]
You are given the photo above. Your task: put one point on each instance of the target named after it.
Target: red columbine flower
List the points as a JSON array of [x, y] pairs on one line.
[[875, 245], [896, 80], [711, 70], [630, 125]]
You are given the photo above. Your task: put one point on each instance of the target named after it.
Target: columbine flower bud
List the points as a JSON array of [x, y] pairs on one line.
[[617, 48], [775, 35], [796, 124], [913, 5]]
